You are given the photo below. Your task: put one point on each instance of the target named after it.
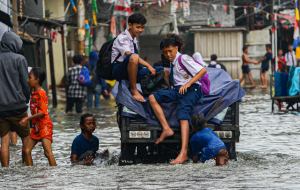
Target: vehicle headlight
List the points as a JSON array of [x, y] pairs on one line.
[[224, 134], [139, 134]]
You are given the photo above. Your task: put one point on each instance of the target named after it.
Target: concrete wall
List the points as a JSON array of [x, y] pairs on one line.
[[257, 40], [57, 8]]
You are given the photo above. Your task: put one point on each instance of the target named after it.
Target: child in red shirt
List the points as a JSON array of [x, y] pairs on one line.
[[42, 124]]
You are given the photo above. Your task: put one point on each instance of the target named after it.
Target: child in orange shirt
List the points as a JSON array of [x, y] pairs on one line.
[[42, 124]]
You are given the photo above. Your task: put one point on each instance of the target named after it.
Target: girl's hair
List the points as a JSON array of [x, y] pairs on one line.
[[244, 48], [198, 121], [178, 40], [39, 74], [82, 118]]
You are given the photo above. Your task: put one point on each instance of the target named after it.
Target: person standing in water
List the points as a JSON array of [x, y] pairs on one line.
[[245, 66]]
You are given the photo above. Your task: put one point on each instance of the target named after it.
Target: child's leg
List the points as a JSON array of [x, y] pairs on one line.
[[24, 141], [5, 150], [167, 76], [48, 151], [132, 70], [262, 79], [250, 78], [184, 142], [30, 144], [265, 79], [167, 131], [242, 79]]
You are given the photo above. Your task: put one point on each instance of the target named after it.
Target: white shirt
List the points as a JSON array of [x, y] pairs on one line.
[[122, 44], [215, 63], [290, 59], [179, 75]]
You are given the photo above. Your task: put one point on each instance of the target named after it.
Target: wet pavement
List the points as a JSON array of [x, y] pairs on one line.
[[268, 156]]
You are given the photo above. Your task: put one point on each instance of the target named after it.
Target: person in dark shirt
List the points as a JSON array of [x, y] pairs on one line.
[[214, 64], [85, 145], [207, 142], [265, 66]]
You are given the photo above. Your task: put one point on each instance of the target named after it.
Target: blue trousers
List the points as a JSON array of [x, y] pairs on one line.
[[90, 95]]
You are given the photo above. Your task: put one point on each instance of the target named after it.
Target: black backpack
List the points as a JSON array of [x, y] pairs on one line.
[[93, 76], [104, 65], [154, 83]]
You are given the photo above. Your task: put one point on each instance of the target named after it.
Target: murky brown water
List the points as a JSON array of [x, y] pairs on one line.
[[268, 157]]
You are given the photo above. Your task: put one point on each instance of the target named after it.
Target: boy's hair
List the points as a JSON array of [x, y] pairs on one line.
[[137, 18], [244, 48], [82, 118], [77, 59], [39, 74], [198, 121], [178, 40], [290, 44], [167, 42], [268, 46], [213, 57]]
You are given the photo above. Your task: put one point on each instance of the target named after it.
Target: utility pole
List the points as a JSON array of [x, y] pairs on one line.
[[15, 16], [251, 16], [80, 24]]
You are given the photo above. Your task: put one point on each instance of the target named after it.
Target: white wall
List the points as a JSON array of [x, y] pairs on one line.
[[58, 8]]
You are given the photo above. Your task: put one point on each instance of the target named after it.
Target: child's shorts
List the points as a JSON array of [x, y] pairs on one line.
[[45, 131], [245, 69], [120, 71], [264, 68], [186, 101]]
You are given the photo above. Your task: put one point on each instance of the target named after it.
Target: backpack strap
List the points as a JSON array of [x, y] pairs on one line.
[[182, 66], [117, 58]]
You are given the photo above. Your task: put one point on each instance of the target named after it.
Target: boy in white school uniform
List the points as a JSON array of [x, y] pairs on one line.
[[129, 66], [187, 91], [290, 58]]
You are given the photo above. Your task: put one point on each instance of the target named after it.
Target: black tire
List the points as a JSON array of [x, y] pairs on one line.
[[127, 154], [231, 151]]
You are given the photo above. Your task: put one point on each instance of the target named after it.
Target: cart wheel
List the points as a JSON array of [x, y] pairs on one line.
[[127, 154]]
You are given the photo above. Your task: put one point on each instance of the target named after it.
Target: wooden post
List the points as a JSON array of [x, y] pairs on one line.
[[15, 17], [63, 49], [53, 83]]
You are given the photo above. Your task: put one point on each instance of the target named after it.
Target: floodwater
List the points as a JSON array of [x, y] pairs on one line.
[[268, 157]]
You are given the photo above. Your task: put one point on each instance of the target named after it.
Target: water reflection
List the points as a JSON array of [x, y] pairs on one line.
[[268, 157]]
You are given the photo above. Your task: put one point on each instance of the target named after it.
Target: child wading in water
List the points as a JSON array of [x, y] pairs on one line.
[[43, 127], [207, 142], [85, 145], [245, 66]]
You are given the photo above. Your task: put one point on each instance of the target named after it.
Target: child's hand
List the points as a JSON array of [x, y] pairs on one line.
[[24, 122], [183, 88], [88, 160], [152, 70], [105, 152]]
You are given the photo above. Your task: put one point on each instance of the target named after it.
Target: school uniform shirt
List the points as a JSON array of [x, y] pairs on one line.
[[179, 75], [208, 143], [290, 59], [42, 127], [81, 145], [75, 90], [123, 43]]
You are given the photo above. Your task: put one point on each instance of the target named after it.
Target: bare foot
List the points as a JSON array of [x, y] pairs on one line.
[[137, 96], [180, 159], [163, 135]]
